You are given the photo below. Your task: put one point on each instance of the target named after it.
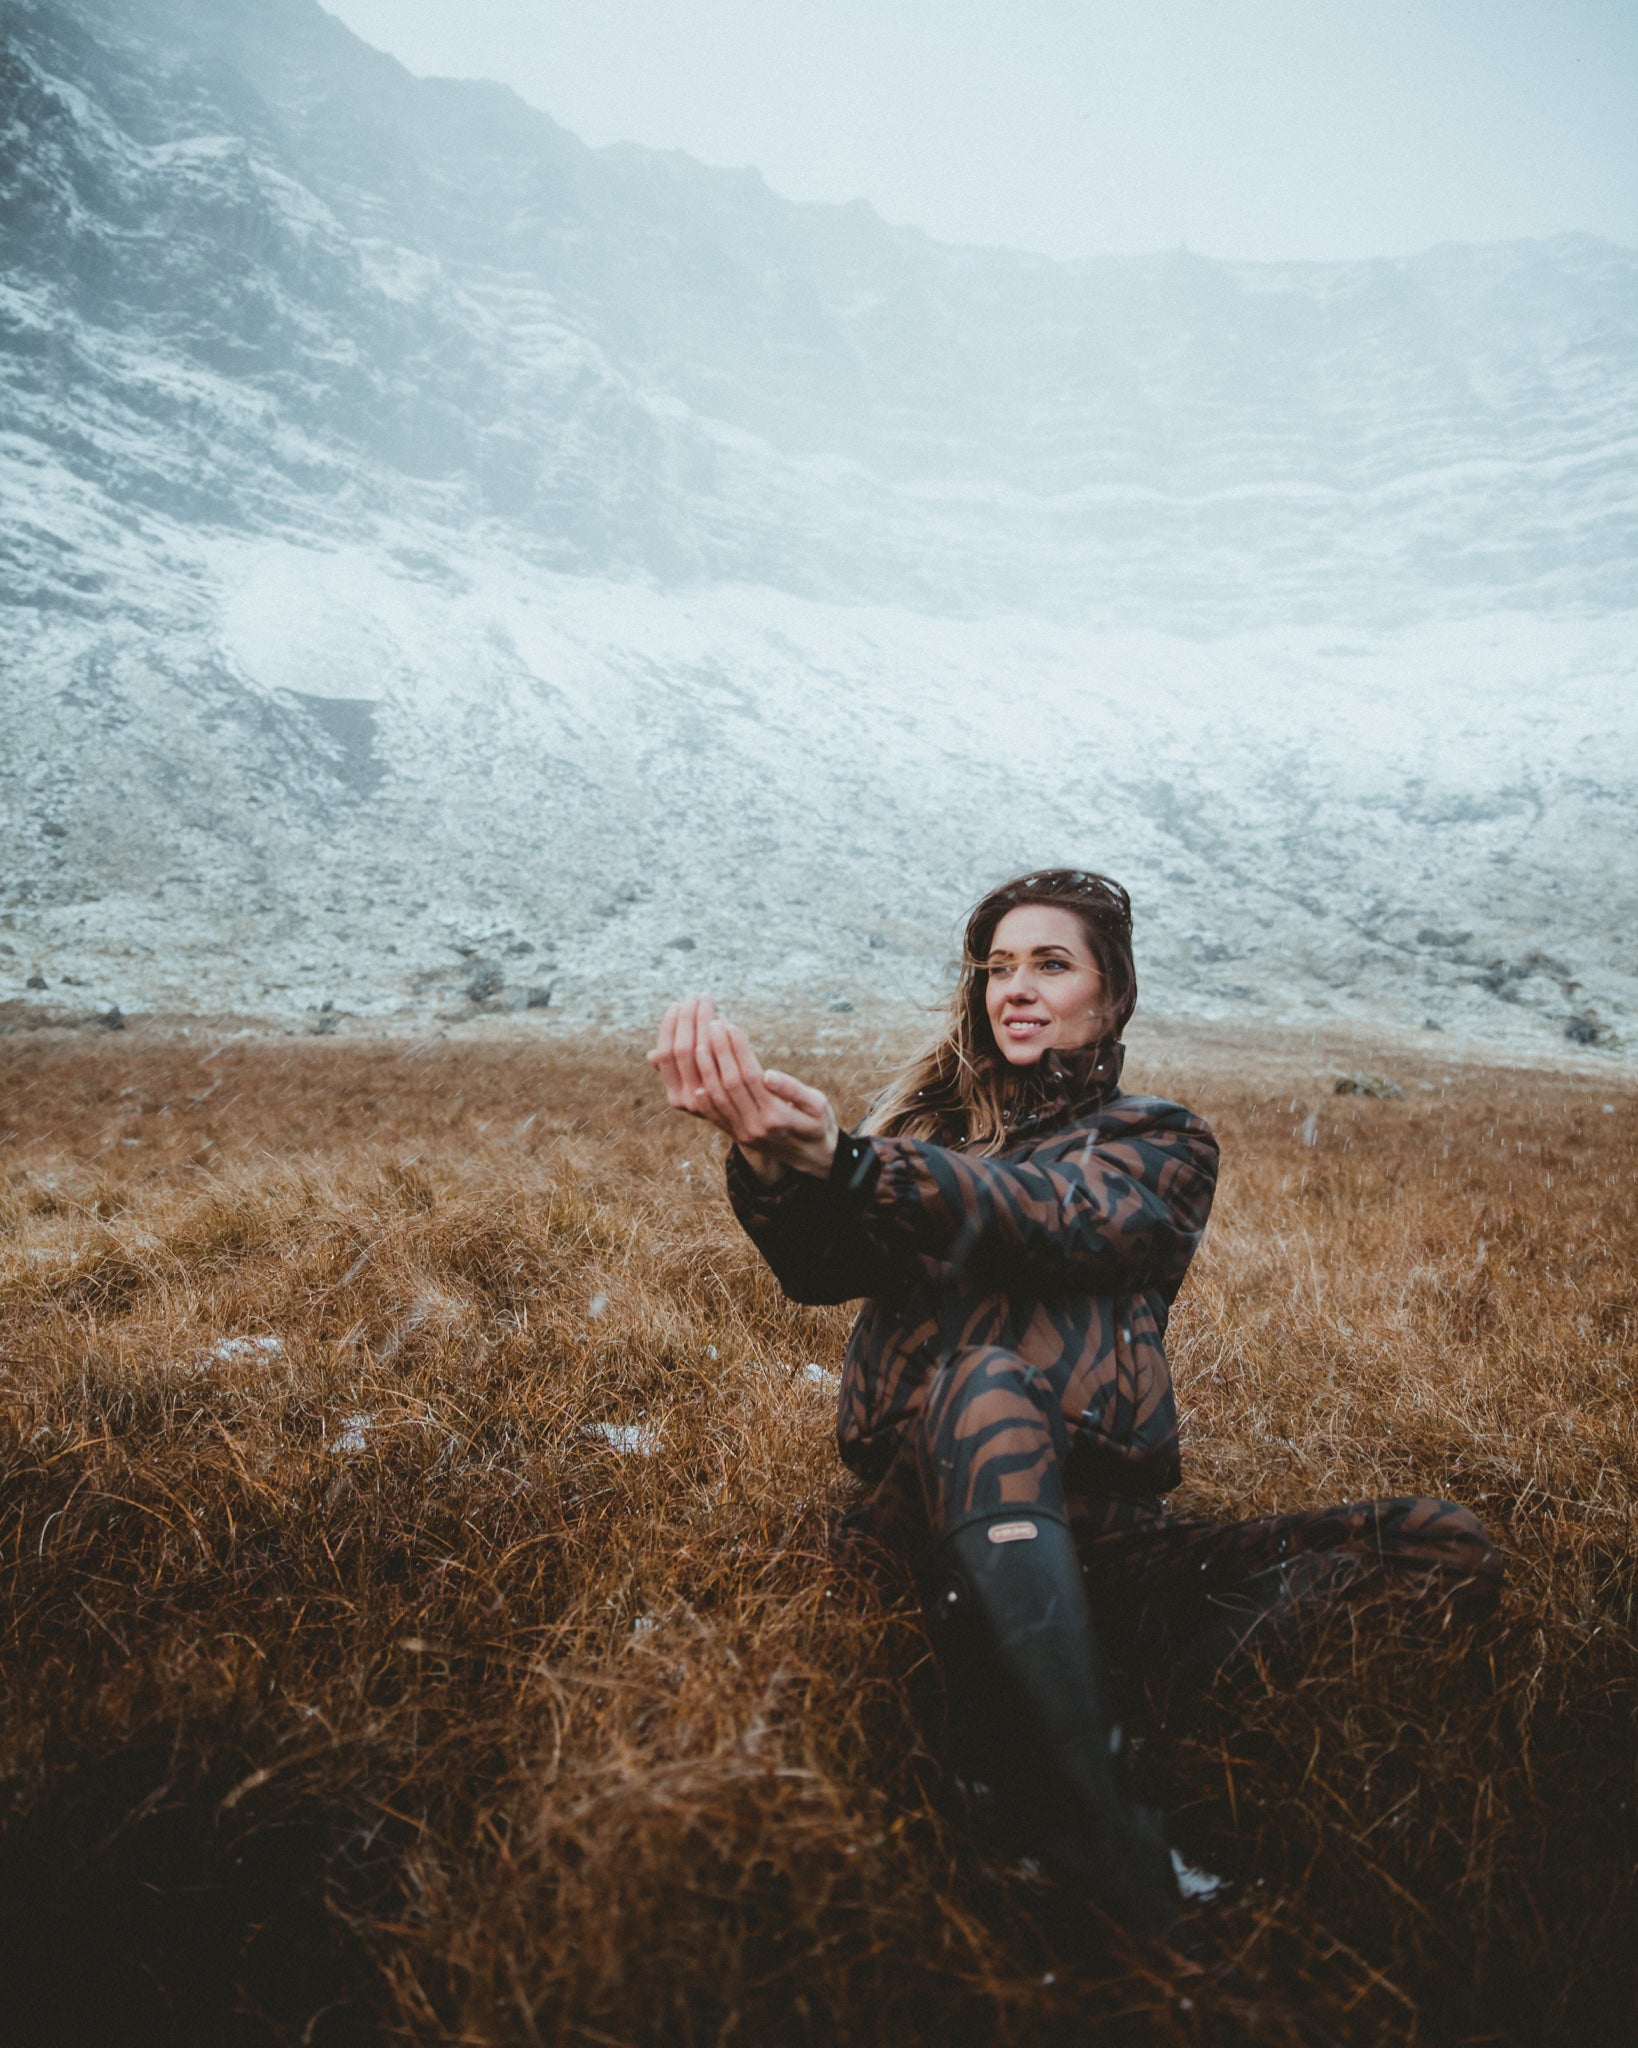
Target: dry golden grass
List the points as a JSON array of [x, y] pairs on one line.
[[355, 1689]]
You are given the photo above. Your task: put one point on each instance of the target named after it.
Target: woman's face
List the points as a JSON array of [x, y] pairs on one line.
[[1044, 988]]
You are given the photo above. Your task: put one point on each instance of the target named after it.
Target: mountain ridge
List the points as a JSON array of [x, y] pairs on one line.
[[1095, 397], [657, 529]]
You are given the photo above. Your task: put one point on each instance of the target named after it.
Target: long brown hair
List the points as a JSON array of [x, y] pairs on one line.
[[958, 1090]]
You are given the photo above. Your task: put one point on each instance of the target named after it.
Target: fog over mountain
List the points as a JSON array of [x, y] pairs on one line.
[[445, 564]]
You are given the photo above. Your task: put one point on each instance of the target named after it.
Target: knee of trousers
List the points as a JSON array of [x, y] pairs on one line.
[[985, 1384], [1452, 1541], [990, 1434], [1471, 1551]]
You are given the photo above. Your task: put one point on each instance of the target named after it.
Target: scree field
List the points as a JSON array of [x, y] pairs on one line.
[[419, 1624]]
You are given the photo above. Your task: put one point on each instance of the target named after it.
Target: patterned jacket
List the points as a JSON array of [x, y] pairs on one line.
[[1066, 1248]]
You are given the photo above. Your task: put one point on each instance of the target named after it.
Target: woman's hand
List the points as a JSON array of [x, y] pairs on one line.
[[710, 1071]]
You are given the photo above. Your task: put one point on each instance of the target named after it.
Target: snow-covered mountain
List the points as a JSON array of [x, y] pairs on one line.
[[438, 556]]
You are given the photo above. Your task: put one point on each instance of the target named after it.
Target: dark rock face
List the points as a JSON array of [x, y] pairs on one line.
[[488, 980], [349, 722]]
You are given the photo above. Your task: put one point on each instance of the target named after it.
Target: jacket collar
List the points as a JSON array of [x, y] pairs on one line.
[[1064, 1085]]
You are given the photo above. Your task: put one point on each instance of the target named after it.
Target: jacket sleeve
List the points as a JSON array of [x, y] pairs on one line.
[[1120, 1212], [810, 1232]]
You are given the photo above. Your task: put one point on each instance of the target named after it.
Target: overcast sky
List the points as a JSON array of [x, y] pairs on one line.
[[1251, 128]]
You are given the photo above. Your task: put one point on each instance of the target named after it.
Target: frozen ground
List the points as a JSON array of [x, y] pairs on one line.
[[419, 797]]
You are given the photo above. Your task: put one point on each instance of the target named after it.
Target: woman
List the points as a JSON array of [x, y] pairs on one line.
[[1019, 1229]]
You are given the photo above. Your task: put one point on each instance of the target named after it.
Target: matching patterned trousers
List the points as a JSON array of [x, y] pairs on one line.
[[990, 1435]]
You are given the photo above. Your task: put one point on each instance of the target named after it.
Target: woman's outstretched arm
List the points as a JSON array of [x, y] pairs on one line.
[[710, 1071], [780, 1178]]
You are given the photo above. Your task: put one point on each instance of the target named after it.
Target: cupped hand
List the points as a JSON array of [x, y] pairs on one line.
[[710, 1071]]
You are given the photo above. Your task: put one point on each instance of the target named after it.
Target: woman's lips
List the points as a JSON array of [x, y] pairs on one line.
[[1022, 1027]]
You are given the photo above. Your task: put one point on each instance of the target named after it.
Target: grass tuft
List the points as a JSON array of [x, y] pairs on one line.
[[419, 1624]]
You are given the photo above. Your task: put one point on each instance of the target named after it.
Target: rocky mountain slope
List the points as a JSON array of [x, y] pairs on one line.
[[438, 556]]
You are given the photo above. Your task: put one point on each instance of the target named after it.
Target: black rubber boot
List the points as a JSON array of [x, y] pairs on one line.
[[1029, 1699]]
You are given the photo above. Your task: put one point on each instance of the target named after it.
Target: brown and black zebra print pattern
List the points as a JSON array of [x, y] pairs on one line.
[[1173, 1585], [1012, 1356], [1013, 1342], [1141, 1553]]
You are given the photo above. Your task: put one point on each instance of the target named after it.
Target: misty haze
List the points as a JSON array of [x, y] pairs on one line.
[[443, 557]]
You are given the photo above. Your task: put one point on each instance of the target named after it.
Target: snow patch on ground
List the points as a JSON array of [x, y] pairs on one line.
[[246, 1350], [353, 1435], [632, 1439], [1195, 1886]]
